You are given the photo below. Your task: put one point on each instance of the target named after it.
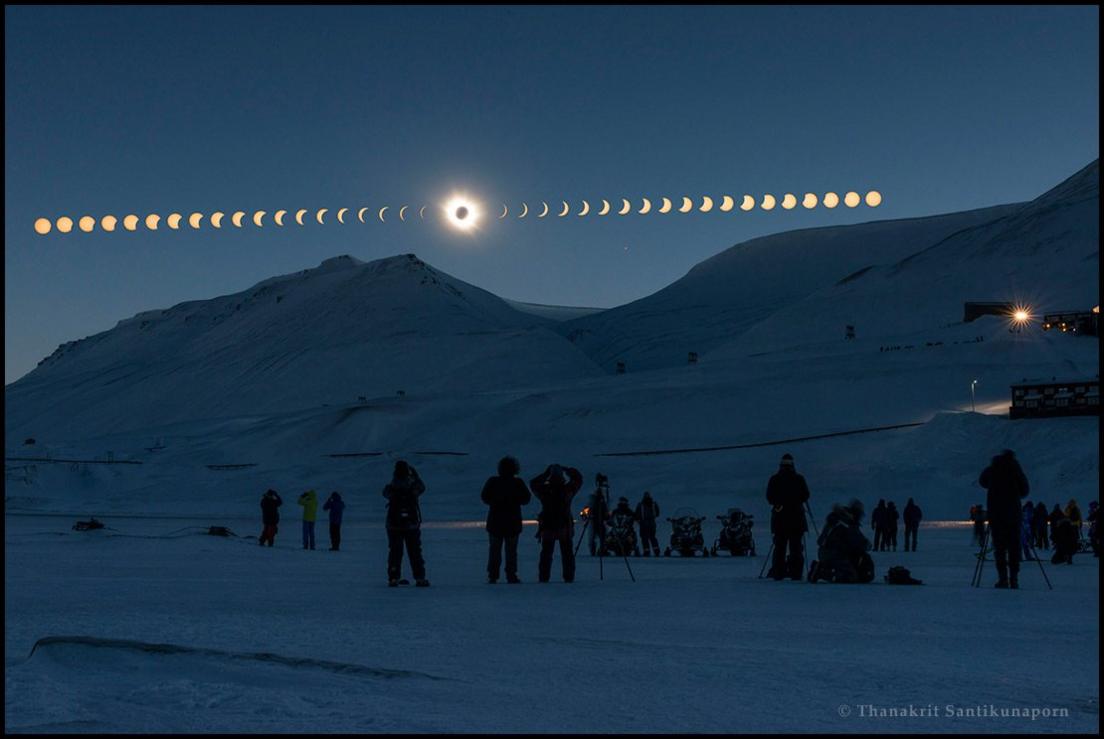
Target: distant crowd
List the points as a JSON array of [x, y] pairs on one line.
[[1014, 530]]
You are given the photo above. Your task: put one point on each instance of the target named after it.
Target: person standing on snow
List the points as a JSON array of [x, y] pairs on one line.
[[270, 516], [554, 488], [309, 501], [598, 514], [404, 524], [336, 506], [1007, 485], [912, 516], [647, 513], [1073, 513], [1026, 539], [1094, 527], [788, 494], [1039, 522], [877, 525], [505, 494], [889, 538]]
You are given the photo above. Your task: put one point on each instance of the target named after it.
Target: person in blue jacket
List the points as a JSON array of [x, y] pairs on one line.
[[336, 506]]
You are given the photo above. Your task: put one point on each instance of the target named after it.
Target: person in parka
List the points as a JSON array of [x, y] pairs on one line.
[[505, 494], [554, 488], [1064, 535], [404, 524], [1039, 521], [309, 501], [842, 549], [1073, 513], [1007, 486], [787, 493], [877, 525], [1094, 527], [647, 513], [912, 517], [336, 506], [270, 516], [597, 515], [889, 538]]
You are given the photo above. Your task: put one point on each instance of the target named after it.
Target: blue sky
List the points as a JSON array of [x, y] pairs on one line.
[[146, 109]]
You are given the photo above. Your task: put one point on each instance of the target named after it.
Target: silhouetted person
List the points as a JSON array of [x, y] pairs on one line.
[[554, 488], [336, 506], [877, 525], [1073, 513], [1039, 520], [270, 516], [1064, 536], [597, 515], [309, 501], [621, 519], [1007, 485], [1094, 527], [505, 494], [1027, 513], [842, 553], [647, 513], [889, 539], [787, 493], [912, 516], [1056, 514], [404, 524]]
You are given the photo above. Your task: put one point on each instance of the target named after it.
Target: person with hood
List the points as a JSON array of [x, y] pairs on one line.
[[598, 514], [1094, 529], [505, 494], [912, 517], [889, 538], [404, 524], [554, 488], [270, 516], [623, 517], [1064, 535], [877, 525], [842, 549], [1026, 538], [1006, 484], [788, 494], [1073, 513], [1039, 522], [309, 501], [1056, 514], [647, 513], [336, 506]]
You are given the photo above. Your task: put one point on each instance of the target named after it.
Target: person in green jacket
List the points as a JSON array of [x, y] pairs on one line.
[[309, 501]]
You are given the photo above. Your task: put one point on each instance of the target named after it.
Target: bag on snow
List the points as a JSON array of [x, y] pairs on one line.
[[900, 576]]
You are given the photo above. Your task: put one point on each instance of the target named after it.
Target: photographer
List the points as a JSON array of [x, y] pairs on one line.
[[554, 488], [505, 494], [336, 506], [404, 521], [842, 554], [598, 514], [1007, 485], [309, 501], [647, 512], [270, 516], [788, 493]]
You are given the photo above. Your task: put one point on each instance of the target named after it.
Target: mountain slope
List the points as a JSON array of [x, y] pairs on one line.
[[726, 295], [325, 335]]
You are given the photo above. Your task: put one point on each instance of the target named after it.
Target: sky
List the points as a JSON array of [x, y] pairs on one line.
[[130, 109]]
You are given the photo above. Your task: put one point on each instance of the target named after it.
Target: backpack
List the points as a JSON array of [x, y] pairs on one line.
[[900, 576]]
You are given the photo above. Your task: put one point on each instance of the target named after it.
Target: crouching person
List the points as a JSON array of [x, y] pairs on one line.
[[842, 554], [505, 494]]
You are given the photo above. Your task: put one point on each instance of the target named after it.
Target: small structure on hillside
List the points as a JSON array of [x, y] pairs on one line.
[[1081, 322], [849, 332], [692, 358], [620, 368], [974, 310], [1043, 399]]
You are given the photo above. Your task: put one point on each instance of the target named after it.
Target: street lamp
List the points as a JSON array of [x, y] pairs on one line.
[[973, 409]]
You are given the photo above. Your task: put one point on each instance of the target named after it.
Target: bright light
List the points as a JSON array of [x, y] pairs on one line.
[[462, 213], [1021, 315]]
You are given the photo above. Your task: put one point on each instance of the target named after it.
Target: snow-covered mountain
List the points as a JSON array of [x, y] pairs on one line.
[[321, 336], [893, 276]]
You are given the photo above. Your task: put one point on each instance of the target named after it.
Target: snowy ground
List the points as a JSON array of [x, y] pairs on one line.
[[692, 646]]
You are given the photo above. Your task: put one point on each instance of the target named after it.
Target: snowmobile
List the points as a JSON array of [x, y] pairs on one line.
[[621, 536], [736, 534], [686, 534], [90, 525]]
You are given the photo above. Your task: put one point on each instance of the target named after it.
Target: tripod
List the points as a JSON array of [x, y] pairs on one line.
[[603, 491], [804, 549], [982, 556]]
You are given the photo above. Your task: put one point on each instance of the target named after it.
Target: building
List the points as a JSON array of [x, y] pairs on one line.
[[1083, 322], [975, 310], [1042, 399]]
